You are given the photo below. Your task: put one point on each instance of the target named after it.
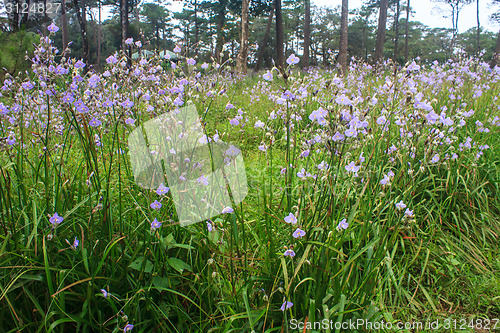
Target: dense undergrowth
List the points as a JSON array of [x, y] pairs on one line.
[[374, 197]]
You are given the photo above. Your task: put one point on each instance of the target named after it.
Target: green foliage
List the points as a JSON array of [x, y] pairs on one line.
[[15, 47]]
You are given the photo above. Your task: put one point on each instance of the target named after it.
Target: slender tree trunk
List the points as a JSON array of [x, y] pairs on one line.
[[263, 43], [196, 27], [82, 20], [496, 55], [64, 27], [343, 36], [280, 55], [15, 16], [24, 18], [396, 28], [124, 22], [221, 20], [99, 40], [241, 60], [406, 33], [382, 22], [307, 33], [478, 49]]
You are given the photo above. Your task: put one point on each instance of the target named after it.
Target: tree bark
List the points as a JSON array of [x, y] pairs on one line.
[[343, 36], [124, 22], [478, 28], [196, 27], [82, 20], [307, 33], [99, 40], [263, 44], [241, 60], [382, 21], [406, 33], [494, 60], [64, 27], [396, 28], [221, 20], [280, 55]]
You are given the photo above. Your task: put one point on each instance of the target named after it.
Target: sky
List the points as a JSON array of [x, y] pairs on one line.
[[427, 13]]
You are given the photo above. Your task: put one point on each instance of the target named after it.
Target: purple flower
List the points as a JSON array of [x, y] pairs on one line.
[[291, 219], [338, 137], [343, 224], [56, 219], [191, 62], [177, 49], [155, 224], [76, 242], [111, 59], [259, 124], [301, 173], [400, 205], [290, 253], [104, 293], [204, 65], [155, 205], [268, 76], [435, 159], [263, 147], [94, 122], [209, 226], [408, 212], [385, 180], [202, 180], [129, 121], [234, 121], [292, 59], [127, 104], [162, 189], [286, 305], [227, 210], [352, 167], [351, 132], [232, 151], [138, 43], [178, 101], [343, 100], [79, 64], [298, 233], [27, 85], [53, 28], [414, 67], [129, 41], [128, 328]]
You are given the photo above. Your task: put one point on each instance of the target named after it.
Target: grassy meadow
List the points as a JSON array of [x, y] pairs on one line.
[[371, 197]]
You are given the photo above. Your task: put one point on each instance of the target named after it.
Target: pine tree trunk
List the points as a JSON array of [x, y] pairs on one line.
[[396, 28], [196, 27], [64, 21], [307, 33], [478, 29], [406, 33], [221, 20], [82, 20], [241, 60], [99, 40], [124, 22], [496, 55], [263, 44], [280, 55], [382, 21], [343, 37]]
